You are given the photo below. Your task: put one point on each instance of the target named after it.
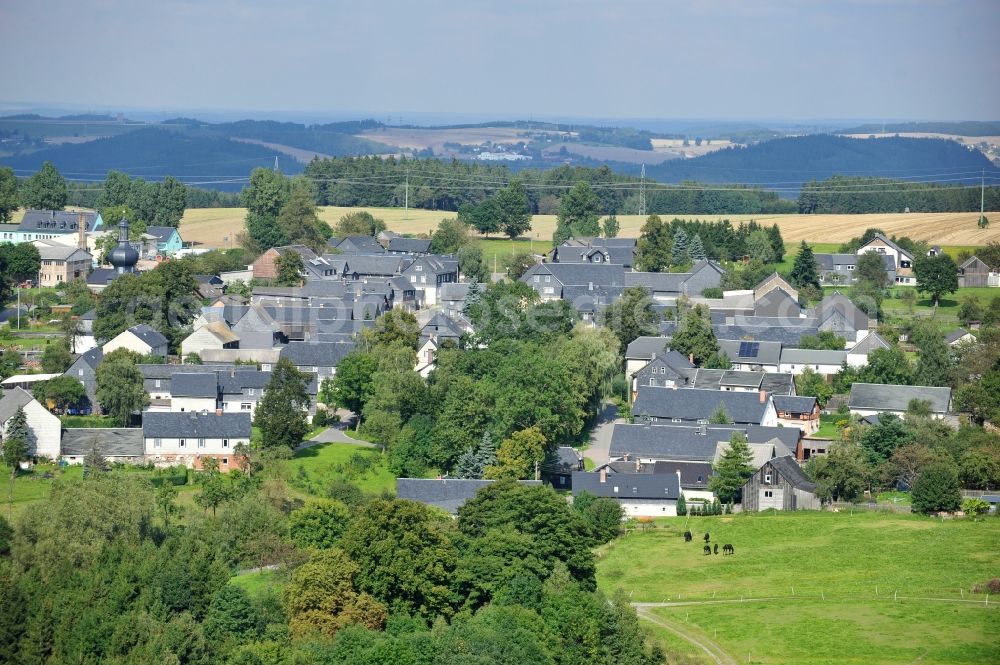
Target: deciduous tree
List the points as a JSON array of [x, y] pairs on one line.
[[120, 389], [45, 190], [936, 275], [281, 413]]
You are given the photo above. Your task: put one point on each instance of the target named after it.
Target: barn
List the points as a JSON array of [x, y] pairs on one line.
[[780, 484]]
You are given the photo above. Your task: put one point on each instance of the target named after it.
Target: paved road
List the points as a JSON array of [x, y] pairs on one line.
[[334, 435], [600, 436]]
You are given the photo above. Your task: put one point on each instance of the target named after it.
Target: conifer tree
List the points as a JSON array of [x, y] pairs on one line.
[[696, 250], [679, 251], [804, 269]]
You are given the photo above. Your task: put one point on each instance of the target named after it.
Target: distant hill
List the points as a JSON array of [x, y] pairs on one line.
[[327, 139], [817, 157], [152, 153], [964, 128]]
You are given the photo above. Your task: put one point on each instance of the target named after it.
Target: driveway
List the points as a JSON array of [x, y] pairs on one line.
[[600, 435], [334, 434]]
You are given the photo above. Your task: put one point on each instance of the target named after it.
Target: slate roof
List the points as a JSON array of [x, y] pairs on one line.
[[694, 475], [768, 353], [148, 334], [10, 314], [580, 273], [696, 404], [871, 342], [776, 383], [202, 384], [658, 282], [792, 473], [794, 403], [410, 245], [62, 253], [777, 302], [387, 265], [888, 242], [788, 336], [955, 335], [446, 493], [161, 233], [13, 400], [316, 354], [357, 245], [455, 290], [838, 302], [55, 221], [685, 442], [877, 397], [646, 347], [442, 327], [813, 356], [628, 485], [193, 425], [233, 381], [568, 458], [92, 357], [111, 441], [101, 276]]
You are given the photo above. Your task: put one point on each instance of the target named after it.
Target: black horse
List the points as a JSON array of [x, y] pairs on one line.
[[687, 536], [727, 549], [707, 538], [707, 550]]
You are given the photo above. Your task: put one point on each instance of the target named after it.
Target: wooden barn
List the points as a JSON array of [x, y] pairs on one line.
[[973, 272], [780, 484]]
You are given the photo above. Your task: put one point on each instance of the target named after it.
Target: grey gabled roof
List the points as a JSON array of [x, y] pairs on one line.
[[192, 425], [955, 335], [381, 264], [794, 403], [787, 335], [148, 334], [658, 282], [357, 245], [626, 486], [879, 236], [646, 347], [878, 397], [446, 493], [454, 290], [871, 342], [410, 245], [767, 353], [776, 383], [442, 326], [55, 221], [685, 442], [777, 302], [234, 381], [202, 384], [838, 302], [813, 356], [580, 274], [110, 441], [694, 475], [696, 404], [792, 473], [316, 354], [161, 233], [92, 357], [12, 401]]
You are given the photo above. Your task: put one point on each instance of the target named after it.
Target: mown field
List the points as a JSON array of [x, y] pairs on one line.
[[818, 587], [209, 226]]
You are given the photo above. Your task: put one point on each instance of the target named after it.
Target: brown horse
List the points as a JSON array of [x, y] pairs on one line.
[[707, 550], [727, 549]]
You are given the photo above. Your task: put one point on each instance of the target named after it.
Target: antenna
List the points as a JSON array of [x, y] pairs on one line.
[[642, 190]]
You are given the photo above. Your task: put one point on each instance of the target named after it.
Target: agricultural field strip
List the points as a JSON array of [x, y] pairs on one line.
[[713, 650]]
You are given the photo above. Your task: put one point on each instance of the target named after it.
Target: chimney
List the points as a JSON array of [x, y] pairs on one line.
[[626, 457], [691, 358], [604, 475], [81, 235], [703, 429], [763, 395], [638, 465], [218, 412]]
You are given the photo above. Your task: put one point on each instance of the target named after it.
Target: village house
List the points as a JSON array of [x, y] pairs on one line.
[[447, 494], [265, 267], [694, 476], [162, 241], [61, 264], [751, 355], [780, 484], [84, 369], [196, 391], [796, 411], [142, 339], [821, 361], [639, 494], [400, 245], [116, 445], [356, 245], [696, 406], [869, 399], [171, 438], [51, 224], [319, 358], [44, 429]]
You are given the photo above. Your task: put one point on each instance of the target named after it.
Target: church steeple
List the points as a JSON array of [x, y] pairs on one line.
[[124, 256]]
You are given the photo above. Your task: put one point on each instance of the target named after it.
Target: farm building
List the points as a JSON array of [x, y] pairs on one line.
[[640, 494], [779, 484]]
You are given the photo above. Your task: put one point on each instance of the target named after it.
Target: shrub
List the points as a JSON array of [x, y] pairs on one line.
[[975, 507], [320, 419], [712, 292], [991, 587], [936, 489]]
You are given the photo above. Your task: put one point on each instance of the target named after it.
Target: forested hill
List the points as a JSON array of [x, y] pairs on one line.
[[819, 156], [155, 153], [964, 128]]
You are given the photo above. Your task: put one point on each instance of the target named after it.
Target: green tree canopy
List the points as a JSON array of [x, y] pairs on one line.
[[281, 412], [732, 470], [45, 190], [120, 389], [804, 272], [936, 275]]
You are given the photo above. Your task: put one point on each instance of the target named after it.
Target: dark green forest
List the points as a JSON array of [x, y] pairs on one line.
[[845, 194]]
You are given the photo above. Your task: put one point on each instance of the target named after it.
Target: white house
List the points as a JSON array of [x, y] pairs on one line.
[[212, 335], [640, 494], [858, 355], [194, 392], [143, 339], [44, 429], [885, 247], [869, 399], [171, 438], [822, 361]]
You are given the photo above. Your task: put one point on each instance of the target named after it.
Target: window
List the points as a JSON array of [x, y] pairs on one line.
[[548, 278], [246, 406], [250, 391], [768, 494], [616, 489], [157, 383], [675, 420], [548, 290], [767, 478], [635, 490], [201, 443], [156, 443], [562, 480], [537, 278], [225, 460], [419, 268], [182, 443], [701, 479], [315, 369], [850, 267], [80, 371]]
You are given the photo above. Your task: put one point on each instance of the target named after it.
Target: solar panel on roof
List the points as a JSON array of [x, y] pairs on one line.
[[749, 349]]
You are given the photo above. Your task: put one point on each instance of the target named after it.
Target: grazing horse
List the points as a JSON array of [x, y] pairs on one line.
[[717, 548], [707, 538], [687, 536], [707, 550], [727, 549]]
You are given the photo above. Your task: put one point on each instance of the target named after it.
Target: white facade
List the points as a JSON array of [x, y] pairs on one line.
[[195, 404], [650, 507], [127, 340], [820, 368], [45, 429], [186, 450]]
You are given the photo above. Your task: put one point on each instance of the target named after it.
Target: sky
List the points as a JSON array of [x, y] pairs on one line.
[[705, 59]]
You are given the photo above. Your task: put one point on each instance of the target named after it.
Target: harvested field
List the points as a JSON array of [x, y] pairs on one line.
[[420, 139], [208, 226], [615, 153]]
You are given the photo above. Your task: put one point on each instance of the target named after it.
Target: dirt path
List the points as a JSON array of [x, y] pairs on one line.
[[713, 650]]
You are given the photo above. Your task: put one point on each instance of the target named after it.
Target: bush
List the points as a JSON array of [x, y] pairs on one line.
[[712, 292], [936, 489], [991, 587], [975, 507], [320, 419]]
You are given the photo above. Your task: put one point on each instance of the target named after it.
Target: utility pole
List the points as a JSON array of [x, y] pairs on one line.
[[642, 191], [982, 195], [538, 474], [406, 197]]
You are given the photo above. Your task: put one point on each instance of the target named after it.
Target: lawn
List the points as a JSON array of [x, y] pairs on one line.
[[257, 581], [830, 578], [495, 249], [828, 427], [312, 469], [32, 486]]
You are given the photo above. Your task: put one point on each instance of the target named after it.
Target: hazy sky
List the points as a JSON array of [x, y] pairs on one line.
[[796, 59]]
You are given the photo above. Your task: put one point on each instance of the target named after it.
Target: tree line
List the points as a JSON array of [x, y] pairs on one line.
[[852, 195]]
